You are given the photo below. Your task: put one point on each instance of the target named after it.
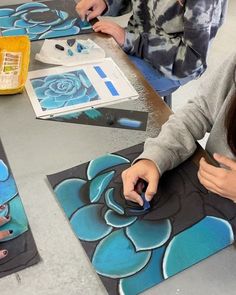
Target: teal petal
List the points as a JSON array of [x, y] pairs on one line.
[[8, 190], [50, 103], [93, 114], [4, 212], [38, 29], [92, 93], [149, 234], [98, 185], [118, 221], [7, 22], [88, 223], [18, 222], [115, 256], [53, 34], [111, 203], [104, 162], [37, 83], [85, 80], [30, 5], [4, 172], [146, 278], [203, 239], [14, 32], [69, 196], [63, 14], [6, 12], [20, 23], [77, 101], [65, 25]]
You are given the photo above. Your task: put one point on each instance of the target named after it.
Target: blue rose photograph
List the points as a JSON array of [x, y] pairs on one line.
[[63, 90]]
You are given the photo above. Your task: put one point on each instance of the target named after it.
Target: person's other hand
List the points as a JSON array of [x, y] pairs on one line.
[[89, 9], [111, 28], [221, 181], [146, 170]]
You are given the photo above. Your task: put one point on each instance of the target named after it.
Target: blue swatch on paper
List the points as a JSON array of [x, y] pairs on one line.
[[111, 88], [129, 122], [100, 72]]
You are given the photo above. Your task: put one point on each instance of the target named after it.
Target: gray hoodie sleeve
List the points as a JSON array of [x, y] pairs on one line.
[[176, 141]]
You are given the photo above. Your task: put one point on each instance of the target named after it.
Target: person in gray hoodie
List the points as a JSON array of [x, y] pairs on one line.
[[167, 38], [213, 110]]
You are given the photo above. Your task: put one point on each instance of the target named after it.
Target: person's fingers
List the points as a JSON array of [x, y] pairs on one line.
[[4, 220], [82, 9], [134, 197], [225, 161], [3, 253], [208, 184], [4, 234], [208, 168]]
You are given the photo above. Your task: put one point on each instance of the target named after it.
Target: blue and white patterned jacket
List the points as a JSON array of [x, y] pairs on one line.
[[173, 38]]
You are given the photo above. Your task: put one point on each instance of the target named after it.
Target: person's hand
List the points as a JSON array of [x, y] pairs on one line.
[[146, 170], [111, 28], [89, 9], [221, 181]]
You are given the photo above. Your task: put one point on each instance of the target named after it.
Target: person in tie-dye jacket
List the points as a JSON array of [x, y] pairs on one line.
[[171, 36]]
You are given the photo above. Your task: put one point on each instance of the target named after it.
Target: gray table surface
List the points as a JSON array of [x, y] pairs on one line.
[[36, 148]]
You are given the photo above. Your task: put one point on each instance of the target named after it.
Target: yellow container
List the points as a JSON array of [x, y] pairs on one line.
[[16, 44]]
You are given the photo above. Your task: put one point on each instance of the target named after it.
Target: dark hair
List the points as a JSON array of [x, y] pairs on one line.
[[230, 122]]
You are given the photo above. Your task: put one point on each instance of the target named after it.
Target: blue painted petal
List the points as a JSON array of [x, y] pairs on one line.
[[85, 80], [148, 277], [76, 101], [7, 22], [98, 185], [37, 83], [6, 12], [19, 13], [14, 32], [111, 203], [33, 37], [4, 212], [88, 223], [8, 190], [62, 97], [149, 234], [115, 256], [92, 93], [20, 23], [4, 172], [84, 25], [30, 5], [69, 195], [65, 25], [38, 29], [115, 220], [40, 92], [53, 78], [62, 14], [104, 162], [29, 17], [50, 103], [203, 239], [18, 222], [53, 34]]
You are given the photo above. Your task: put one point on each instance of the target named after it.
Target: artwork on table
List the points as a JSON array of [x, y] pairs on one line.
[[185, 225], [63, 90], [17, 246], [42, 20], [107, 117]]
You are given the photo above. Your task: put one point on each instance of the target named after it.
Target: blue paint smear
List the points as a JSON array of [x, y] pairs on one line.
[[93, 114], [129, 122], [196, 243], [100, 72], [111, 88]]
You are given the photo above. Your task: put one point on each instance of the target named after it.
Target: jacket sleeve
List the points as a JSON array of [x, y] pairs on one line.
[[118, 7], [177, 139], [176, 55]]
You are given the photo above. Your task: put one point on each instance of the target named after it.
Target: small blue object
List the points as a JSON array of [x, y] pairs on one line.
[[100, 72], [79, 47], [146, 204], [70, 52], [111, 88]]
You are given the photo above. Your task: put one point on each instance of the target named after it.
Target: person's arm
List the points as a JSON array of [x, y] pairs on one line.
[[176, 55], [177, 139]]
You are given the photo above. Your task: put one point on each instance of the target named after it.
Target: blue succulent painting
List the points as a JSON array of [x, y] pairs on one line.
[[63, 90], [19, 244], [42, 20], [133, 253]]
